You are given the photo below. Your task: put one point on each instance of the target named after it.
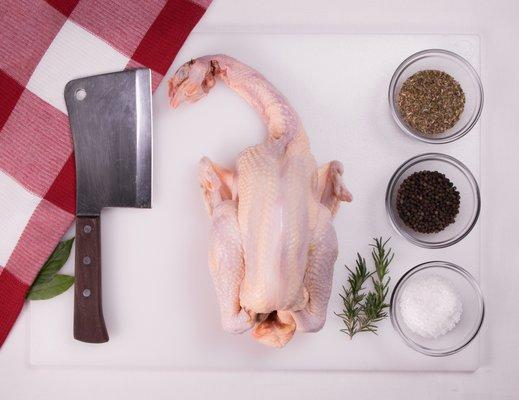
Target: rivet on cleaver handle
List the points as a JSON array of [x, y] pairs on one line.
[[110, 119]]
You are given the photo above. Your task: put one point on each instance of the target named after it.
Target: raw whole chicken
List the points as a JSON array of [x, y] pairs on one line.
[[273, 245]]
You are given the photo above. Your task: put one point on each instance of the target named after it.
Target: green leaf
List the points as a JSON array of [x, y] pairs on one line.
[[47, 290], [57, 259]]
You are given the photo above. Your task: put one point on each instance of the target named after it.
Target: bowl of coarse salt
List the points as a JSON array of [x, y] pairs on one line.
[[437, 308]]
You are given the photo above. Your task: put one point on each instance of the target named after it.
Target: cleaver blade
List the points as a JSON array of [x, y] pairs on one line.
[[110, 118]]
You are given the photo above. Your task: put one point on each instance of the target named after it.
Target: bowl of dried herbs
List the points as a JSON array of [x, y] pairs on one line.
[[433, 200], [436, 96]]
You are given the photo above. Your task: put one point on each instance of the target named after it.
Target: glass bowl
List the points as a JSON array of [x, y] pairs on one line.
[[471, 318], [459, 69], [462, 179]]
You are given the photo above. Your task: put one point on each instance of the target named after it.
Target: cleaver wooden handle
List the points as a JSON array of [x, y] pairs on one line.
[[89, 324]]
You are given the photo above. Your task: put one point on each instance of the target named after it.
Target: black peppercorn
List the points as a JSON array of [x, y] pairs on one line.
[[427, 201]]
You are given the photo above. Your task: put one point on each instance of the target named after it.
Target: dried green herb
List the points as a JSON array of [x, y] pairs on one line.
[[431, 101], [427, 201], [363, 311]]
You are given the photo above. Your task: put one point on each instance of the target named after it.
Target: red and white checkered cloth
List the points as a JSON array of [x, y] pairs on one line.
[[43, 45]]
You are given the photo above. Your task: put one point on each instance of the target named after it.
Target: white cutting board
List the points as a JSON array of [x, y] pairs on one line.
[[159, 303]]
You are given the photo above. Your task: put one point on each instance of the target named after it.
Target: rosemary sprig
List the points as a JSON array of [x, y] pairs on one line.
[[363, 311]]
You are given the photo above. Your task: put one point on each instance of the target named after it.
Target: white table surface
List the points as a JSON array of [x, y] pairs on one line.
[[496, 23]]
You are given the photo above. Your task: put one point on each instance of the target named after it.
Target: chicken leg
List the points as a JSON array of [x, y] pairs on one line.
[[225, 250], [323, 249]]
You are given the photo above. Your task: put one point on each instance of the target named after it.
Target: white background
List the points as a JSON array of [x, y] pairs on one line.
[[497, 24]]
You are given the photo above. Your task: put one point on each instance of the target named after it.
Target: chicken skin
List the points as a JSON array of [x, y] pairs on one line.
[[273, 245]]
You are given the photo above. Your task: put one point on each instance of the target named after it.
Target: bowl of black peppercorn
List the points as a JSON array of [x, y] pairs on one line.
[[433, 200]]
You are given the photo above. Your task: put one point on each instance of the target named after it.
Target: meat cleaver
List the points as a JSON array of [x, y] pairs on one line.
[[110, 119]]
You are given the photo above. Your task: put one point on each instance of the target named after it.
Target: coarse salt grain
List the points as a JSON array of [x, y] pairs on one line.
[[430, 305]]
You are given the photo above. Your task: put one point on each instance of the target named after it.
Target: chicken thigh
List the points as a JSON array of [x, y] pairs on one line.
[[273, 245]]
